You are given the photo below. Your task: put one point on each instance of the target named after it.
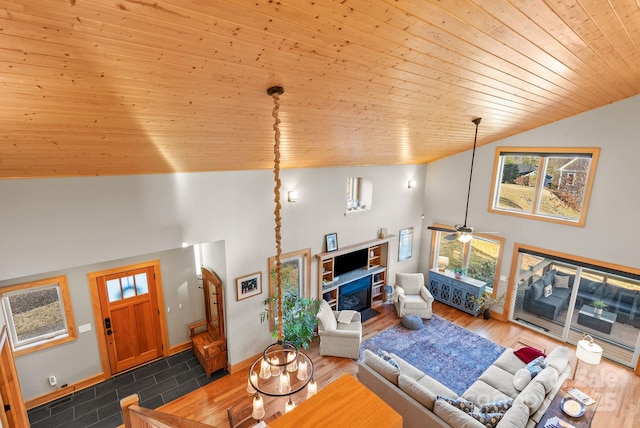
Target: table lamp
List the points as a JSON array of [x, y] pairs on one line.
[[443, 262]]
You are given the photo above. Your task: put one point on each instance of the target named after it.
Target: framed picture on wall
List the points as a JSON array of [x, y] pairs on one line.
[[331, 242], [405, 247], [247, 286]]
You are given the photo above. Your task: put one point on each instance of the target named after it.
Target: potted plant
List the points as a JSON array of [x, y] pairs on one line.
[[298, 316], [598, 306], [459, 272], [486, 301]]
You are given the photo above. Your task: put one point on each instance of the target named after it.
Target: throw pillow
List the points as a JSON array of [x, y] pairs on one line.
[[548, 289], [388, 358], [521, 379], [528, 354], [561, 281], [500, 406], [458, 403], [490, 420], [535, 366]]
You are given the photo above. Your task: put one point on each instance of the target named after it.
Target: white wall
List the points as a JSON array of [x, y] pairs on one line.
[[55, 225], [610, 233]]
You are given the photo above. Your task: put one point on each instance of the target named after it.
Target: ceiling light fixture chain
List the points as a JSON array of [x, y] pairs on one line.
[[275, 92], [473, 156]]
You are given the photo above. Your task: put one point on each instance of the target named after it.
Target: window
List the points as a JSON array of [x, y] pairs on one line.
[[558, 294], [359, 194], [548, 184], [38, 314], [481, 256]]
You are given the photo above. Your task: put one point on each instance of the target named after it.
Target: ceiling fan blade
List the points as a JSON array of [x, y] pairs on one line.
[[441, 229], [451, 236]]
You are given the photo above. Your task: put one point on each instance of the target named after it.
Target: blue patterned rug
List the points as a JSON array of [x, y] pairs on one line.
[[448, 353]]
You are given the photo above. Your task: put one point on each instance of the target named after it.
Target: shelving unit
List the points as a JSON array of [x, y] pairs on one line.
[[376, 268]]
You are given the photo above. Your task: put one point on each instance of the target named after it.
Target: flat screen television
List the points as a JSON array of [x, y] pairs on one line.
[[350, 261]]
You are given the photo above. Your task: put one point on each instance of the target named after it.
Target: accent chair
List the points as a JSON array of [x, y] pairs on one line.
[[411, 297], [340, 332]]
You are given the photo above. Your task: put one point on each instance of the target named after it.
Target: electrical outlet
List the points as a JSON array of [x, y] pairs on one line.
[[52, 381]]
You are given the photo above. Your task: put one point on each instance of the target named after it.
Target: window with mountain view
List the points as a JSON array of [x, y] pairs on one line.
[[548, 184]]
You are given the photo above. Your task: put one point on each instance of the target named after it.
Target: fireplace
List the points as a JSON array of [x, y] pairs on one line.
[[355, 295]]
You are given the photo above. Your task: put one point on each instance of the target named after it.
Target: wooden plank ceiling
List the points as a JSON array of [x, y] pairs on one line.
[[110, 87]]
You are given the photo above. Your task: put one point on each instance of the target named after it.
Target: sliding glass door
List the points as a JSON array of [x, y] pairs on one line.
[[567, 298]]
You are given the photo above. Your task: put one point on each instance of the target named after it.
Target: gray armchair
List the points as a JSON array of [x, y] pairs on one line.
[[411, 297], [340, 332]]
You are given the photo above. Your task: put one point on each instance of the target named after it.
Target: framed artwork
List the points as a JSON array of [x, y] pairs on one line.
[[247, 286], [296, 272], [331, 242], [405, 247]]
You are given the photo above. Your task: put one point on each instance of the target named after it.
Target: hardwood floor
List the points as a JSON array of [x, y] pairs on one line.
[[618, 386]]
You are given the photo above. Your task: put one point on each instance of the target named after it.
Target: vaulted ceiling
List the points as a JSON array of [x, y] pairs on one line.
[[110, 87]]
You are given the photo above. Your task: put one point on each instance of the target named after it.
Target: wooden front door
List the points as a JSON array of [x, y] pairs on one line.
[[130, 317]]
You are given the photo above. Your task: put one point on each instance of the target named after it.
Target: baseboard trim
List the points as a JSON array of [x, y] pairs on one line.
[[179, 348], [243, 365], [61, 392]]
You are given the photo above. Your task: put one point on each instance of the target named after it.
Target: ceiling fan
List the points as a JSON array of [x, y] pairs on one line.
[[462, 232]]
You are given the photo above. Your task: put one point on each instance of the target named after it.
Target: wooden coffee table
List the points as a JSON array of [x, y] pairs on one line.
[[554, 409]]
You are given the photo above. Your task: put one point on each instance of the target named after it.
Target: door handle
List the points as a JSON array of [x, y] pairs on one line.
[[109, 332]]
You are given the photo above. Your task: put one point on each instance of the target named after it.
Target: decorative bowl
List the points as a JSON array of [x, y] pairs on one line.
[[572, 407]]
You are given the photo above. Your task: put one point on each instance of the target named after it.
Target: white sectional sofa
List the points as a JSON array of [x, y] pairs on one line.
[[414, 395]]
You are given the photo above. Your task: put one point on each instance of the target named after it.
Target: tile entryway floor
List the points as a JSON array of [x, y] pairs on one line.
[[98, 406]]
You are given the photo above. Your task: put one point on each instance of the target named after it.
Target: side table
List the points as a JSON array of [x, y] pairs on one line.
[[554, 409]]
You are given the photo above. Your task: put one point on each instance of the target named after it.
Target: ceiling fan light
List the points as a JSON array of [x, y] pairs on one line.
[[464, 237]]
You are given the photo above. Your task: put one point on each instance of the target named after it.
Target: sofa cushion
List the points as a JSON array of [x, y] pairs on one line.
[[500, 380], [407, 368], [558, 358], [436, 387], [547, 278], [414, 302], [381, 366], [454, 416], [561, 281], [548, 290], [516, 417], [547, 378], [509, 362], [416, 391], [489, 420], [528, 354], [521, 379], [532, 396], [480, 393]]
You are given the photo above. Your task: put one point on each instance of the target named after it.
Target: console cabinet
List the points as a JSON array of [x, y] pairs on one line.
[[375, 266], [459, 293]]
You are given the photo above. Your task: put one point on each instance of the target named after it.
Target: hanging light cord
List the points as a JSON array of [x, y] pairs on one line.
[[275, 92]]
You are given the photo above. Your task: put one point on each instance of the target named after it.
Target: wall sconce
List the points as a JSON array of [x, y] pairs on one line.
[[412, 184], [292, 196]]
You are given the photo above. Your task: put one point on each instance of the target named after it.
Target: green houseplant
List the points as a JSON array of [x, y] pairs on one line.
[[598, 307], [486, 301], [298, 316], [459, 272]]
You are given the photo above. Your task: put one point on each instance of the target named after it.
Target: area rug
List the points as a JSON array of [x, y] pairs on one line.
[[452, 355]]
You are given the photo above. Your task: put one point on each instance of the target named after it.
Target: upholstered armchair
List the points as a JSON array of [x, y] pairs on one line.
[[340, 332], [411, 297]]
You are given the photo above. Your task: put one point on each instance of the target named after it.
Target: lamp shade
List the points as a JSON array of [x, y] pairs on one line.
[[588, 352]]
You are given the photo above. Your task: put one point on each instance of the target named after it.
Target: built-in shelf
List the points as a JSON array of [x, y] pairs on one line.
[[374, 267]]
